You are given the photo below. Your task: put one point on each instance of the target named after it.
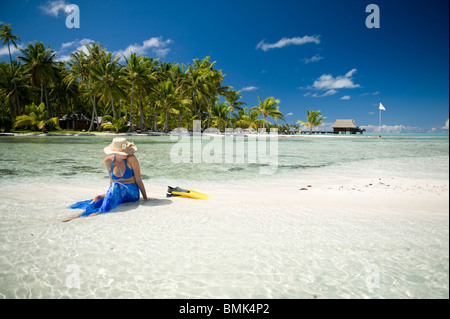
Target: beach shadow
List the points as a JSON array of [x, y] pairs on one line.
[[128, 207], [156, 202], [134, 205]]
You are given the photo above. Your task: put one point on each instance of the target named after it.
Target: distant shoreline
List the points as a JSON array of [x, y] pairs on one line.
[[209, 134]]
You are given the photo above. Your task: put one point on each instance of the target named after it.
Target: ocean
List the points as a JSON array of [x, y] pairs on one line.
[[62, 159]]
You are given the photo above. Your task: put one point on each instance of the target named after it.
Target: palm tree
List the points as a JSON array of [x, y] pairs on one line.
[[145, 84], [64, 97], [117, 124], [233, 97], [213, 80], [39, 63], [315, 118], [269, 107], [110, 78], [38, 116], [135, 73], [168, 99], [7, 37], [194, 82], [15, 88], [81, 72], [202, 84], [220, 115], [179, 78], [248, 118]]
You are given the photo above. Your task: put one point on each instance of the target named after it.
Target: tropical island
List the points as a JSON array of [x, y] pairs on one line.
[[139, 95]]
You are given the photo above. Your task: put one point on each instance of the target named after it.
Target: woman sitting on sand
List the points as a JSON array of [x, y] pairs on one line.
[[125, 180]]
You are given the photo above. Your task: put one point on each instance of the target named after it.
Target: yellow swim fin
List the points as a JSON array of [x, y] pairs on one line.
[[179, 192]]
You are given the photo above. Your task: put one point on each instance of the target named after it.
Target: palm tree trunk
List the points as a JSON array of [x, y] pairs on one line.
[[141, 113], [17, 108], [180, 117], [155, 120], [131, 108], [42, 93], [112, 104], [10, 59], [150, 120], [16, 92], [166, 121], [94, 110], [15, 85], [49, 111], [105, 112]]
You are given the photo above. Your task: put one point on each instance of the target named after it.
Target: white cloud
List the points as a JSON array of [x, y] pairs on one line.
[[156, 45], [376, 93], [14, 51], [67, 45], [63, 58], [289, 114], [249, 88], [71, 47], [445, 127], [399, 129], [288, 41], [328, 82], [161, 53], [313, 59], [389, 128], [79, 44], [54, 7], [327, 93]]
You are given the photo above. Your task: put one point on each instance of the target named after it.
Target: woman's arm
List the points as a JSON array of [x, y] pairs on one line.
[[137, 175], [108, 164]]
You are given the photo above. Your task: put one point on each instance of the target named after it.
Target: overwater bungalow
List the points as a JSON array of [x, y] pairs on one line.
[[344, 126]]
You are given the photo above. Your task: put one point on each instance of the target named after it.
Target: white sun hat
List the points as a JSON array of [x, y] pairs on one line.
[[120, 146]]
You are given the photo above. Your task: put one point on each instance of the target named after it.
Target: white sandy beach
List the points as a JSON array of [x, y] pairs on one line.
[[355, 238]]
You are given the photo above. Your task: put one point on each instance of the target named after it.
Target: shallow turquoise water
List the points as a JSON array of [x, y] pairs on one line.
[[64, 158]]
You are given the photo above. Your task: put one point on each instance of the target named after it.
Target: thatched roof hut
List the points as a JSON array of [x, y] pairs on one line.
[[346, 126]]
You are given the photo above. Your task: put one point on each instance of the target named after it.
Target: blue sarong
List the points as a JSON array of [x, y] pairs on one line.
[[117, 194]]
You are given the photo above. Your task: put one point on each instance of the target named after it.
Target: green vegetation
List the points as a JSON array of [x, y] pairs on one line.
[[38, 117], [116, 124], [315, 118], [269, 107], [139, 94]]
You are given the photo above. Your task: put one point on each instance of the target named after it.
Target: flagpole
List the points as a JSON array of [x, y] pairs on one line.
[[381, 108], [379, 126]]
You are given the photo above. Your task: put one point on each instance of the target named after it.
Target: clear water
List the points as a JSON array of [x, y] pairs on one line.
[[67, 158], [222, 248]]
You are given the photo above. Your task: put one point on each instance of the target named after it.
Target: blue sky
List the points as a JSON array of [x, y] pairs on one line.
[[309, 54]]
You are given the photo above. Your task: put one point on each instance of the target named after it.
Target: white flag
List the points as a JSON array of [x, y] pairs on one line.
[[382, 107]]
